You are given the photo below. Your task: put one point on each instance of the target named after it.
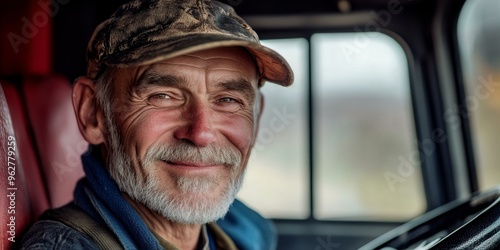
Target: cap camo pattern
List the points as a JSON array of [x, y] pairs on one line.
[[149, 31]]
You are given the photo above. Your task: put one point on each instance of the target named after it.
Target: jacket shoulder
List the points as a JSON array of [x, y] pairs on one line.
[[248, 229], [48, 234]]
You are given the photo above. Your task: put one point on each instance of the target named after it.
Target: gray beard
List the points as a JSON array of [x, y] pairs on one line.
[[190, 206]]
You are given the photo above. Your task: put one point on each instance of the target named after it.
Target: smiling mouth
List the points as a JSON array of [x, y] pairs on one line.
[[191, 164]]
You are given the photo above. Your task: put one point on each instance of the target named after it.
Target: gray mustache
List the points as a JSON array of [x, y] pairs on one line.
[[187, 152]]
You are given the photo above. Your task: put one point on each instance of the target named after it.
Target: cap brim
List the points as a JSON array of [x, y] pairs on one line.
[[273, 67]]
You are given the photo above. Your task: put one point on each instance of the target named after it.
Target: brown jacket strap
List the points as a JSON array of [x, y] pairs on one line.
[[73, 216]]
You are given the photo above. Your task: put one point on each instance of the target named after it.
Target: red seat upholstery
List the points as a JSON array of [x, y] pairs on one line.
[[15, 203], [30, 163], [40, 117], [47, 153], [58, 140]]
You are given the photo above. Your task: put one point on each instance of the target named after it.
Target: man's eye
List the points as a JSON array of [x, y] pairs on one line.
[[228, 99], [159, 96], [228, 104], [164, 100]]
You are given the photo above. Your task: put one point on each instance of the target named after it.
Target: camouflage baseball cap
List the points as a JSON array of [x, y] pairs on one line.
[[147, 31]]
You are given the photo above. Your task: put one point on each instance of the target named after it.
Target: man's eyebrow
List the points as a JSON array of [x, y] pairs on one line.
[[240, 85], [153, 78]]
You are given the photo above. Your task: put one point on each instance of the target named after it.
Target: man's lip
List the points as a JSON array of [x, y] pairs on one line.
[[190, 164]]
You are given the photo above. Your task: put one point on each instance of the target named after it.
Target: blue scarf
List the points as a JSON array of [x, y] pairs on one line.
[[99, 196]]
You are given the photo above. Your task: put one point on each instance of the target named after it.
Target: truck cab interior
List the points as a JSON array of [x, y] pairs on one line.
[[388, 138]]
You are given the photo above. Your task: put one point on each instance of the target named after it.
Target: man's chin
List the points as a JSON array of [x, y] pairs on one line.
[[194, 210], [196, 206]]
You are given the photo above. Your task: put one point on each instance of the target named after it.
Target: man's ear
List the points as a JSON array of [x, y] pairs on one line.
[[90, 121], [259, 109]]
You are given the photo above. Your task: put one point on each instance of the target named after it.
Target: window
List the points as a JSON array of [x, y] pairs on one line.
[[479, 39], [365, 157], [364, 129]]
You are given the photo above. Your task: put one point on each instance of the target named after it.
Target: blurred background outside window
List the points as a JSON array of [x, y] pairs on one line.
[[366, 164], [479, 41]]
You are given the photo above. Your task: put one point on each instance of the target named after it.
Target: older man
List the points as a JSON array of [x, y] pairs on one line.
[[171, 104]]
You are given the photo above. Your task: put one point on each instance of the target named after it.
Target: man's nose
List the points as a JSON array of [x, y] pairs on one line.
[[197, 126]]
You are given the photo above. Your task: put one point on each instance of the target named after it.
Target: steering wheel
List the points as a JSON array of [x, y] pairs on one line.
[[471, 223]]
